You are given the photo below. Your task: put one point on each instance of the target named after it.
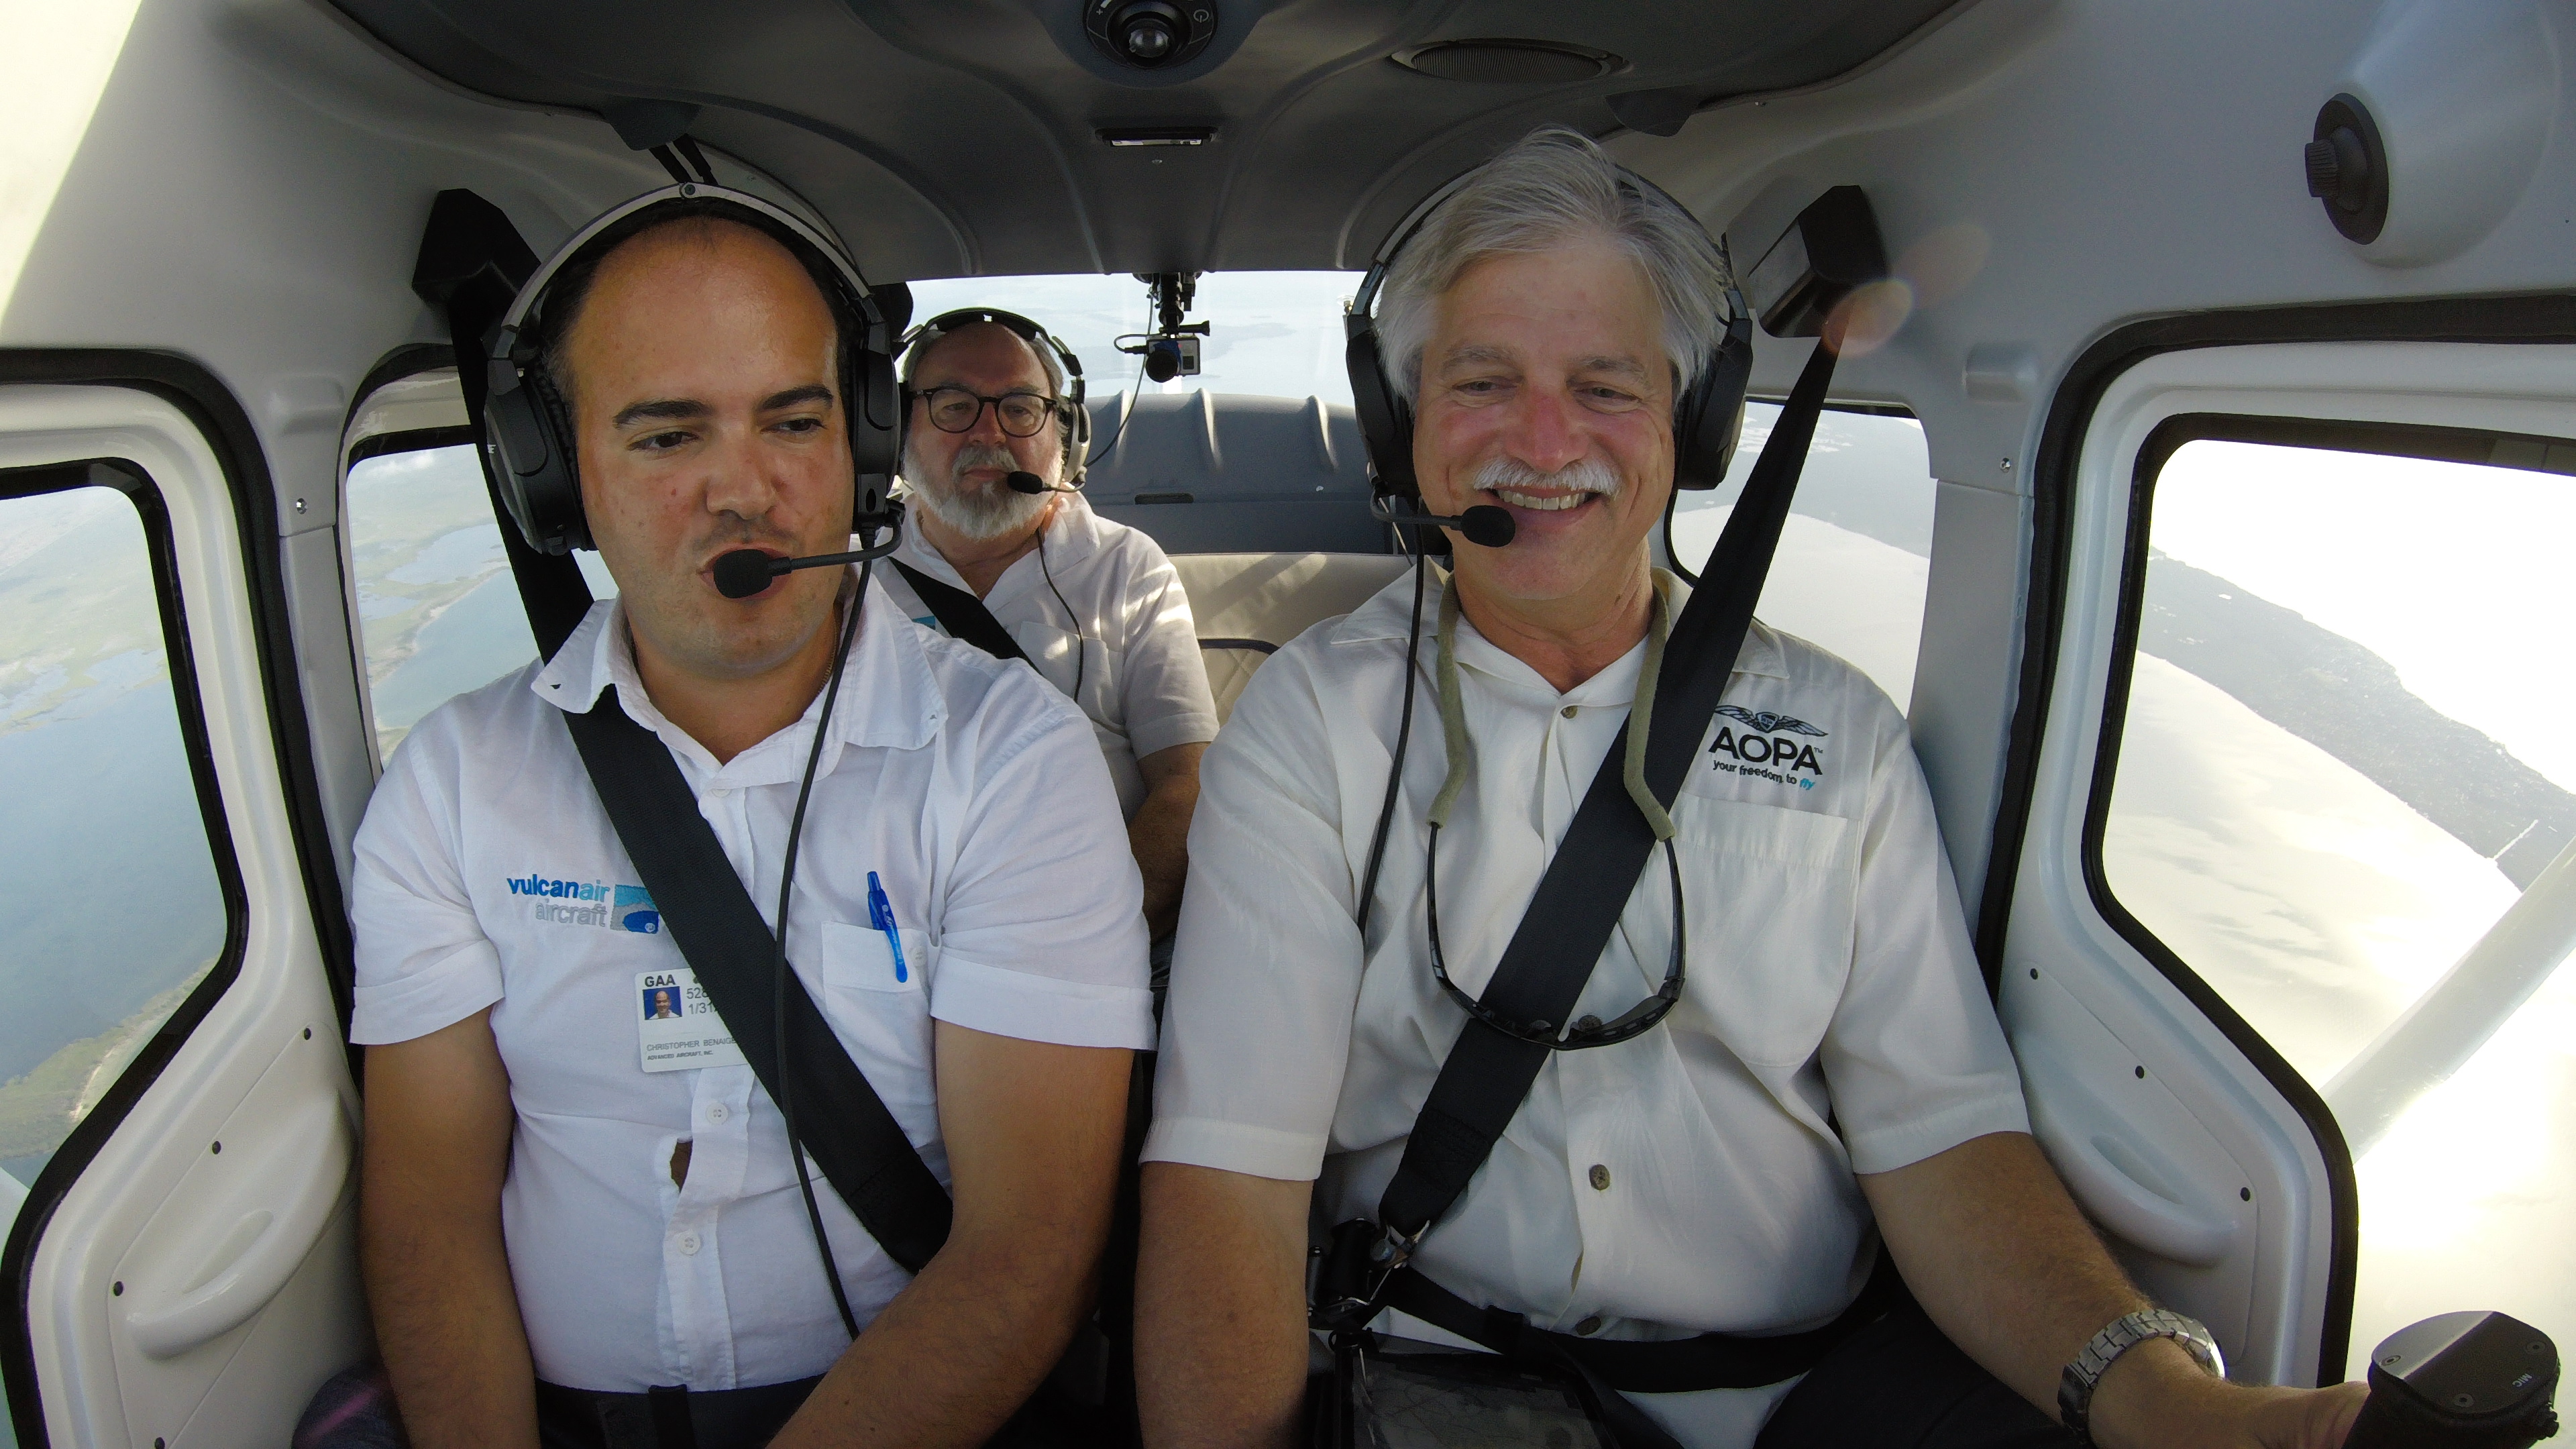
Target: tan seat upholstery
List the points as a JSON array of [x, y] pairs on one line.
[[1248, 604]]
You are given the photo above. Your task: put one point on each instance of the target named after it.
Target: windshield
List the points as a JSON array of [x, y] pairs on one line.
[[1276, 334]]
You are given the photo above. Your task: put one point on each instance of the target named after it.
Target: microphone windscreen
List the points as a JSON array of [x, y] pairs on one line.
[[1026, 483], [744, 572], [1487, 526]]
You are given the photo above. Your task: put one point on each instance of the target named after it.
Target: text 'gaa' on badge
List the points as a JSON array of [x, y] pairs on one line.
[[676, 1024]]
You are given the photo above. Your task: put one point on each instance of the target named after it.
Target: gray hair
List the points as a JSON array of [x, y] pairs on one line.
[[1555, 188]]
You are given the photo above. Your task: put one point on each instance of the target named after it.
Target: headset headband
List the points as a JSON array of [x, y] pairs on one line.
[[1364, 301], [539, 284], [1068, 380]]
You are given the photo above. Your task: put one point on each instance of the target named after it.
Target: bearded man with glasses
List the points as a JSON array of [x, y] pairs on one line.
[[992, 463]]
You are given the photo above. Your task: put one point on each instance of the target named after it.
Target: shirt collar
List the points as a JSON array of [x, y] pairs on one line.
[[1388, 615], [889, 697]]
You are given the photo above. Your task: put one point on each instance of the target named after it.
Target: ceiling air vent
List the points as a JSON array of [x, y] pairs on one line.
[[1504, 61]]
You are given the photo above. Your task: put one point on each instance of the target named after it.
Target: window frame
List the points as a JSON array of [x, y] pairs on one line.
[[1673, 499], [2399, 440], [2052, 575], [224, 427], [81, 1146]]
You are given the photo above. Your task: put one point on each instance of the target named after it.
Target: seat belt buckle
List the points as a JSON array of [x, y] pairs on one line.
[[1361, 1260]]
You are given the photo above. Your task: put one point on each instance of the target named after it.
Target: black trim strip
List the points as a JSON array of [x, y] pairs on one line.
[[2547, 317], [204, 400], [409, 360], [413, 440], [81, 1146], [1263, 645]]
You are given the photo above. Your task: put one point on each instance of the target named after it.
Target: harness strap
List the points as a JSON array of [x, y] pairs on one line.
[[1588, 881], [1675, 1366], [857, 1142], [962, 614]]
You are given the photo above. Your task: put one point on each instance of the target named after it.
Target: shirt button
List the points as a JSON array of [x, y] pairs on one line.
[[689, 1244], [1569, 711], [717, 1113], [1600, 1177], [1588, 1327]]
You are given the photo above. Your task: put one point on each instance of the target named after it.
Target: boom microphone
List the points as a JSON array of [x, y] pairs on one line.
[[1484, 525], [1033, 484], [746, 571]]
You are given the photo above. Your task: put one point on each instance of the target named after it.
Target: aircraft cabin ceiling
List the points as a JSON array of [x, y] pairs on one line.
[[966, 137]]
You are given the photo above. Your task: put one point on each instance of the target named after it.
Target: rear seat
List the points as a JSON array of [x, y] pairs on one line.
[[1248, 604]]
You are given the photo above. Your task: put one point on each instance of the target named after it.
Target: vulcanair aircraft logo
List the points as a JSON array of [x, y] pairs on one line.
[[590, 903]]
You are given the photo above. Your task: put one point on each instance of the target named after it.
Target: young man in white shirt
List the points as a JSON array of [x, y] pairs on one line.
[[554, 1229], [1832, 1065], [1094, 605]]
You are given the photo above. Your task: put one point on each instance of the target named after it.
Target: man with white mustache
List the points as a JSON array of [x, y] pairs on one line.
[[1783, 1057], [1094, 605]]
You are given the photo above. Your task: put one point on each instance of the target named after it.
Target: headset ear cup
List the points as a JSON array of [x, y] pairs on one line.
[[1077, 440], [529, 445], [876, 422], [1386, 424], [1710, 416]]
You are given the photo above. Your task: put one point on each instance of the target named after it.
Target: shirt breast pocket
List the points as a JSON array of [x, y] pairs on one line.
[[882, 1016], [1770, 893]]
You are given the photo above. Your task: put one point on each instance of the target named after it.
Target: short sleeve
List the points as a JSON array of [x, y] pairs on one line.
[[1042, 927], [1266, 968], [1914, 1058], [1165, 699], [423, 961]]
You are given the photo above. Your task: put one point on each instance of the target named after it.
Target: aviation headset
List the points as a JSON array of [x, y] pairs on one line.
[[1052, 353], [527, 428], [1707, 418]]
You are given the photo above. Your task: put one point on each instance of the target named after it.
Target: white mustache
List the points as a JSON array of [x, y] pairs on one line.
[[1581, 477], [981, 455]]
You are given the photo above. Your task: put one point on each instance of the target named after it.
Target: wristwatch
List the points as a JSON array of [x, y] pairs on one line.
[[2075, 1383]]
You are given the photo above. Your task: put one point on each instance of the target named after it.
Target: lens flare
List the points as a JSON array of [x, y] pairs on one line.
[[1940, 264], [1863, 322]]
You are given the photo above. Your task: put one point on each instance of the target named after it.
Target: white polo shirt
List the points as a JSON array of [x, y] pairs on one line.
[[1143, 684], [488, 875], [1696, 1178]]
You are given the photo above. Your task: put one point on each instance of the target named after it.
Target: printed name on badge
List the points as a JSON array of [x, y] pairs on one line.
[[676, 1024]]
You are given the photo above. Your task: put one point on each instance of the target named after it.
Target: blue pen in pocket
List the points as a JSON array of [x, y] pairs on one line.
[[881, 917]]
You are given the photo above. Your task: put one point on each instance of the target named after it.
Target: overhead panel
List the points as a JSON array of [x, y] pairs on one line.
[[1000, 137]]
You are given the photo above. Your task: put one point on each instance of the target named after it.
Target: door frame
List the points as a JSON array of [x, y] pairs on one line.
[[224, 430], [2051, 573]]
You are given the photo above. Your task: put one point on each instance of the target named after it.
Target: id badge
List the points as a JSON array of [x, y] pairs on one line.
[[676, 1024]]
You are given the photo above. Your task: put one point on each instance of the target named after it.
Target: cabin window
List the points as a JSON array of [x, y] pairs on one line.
[[113, 850], [436, 603], [1271, 334], [1857, 552], [2339, 757]]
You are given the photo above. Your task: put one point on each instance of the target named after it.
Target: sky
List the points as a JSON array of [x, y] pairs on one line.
[[2455, 573]]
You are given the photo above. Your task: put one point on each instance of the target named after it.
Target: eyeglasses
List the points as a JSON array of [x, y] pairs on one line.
[[956, 410], [1588, 1031]]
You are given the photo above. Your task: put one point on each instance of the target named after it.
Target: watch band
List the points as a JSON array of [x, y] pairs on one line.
[[2075, 1382]]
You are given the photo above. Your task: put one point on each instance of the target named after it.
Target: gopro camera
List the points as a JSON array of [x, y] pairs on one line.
[[1170, 357]]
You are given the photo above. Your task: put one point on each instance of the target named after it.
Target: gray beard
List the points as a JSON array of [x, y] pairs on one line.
[[994, 511]]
